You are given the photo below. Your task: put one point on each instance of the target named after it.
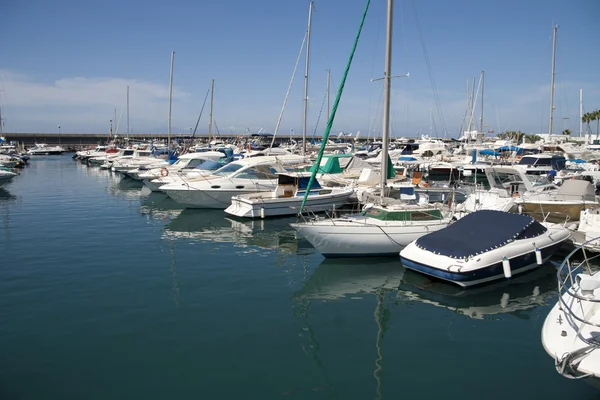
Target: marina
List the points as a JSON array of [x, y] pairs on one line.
[[106, 281], [345, 251]]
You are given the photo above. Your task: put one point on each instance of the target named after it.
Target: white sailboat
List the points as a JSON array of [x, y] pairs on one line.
[[382, 229]]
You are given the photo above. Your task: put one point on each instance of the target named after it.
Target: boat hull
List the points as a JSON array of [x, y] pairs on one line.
[[272, 207], [564, 334], [558, 212], [346, 238], [485, 273], [195, 198]]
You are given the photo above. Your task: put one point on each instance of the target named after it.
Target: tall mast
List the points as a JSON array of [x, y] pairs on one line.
[[385, 137], [310, 10], [482, 82], [127, 111], [328, 87], [170, 99], [210, 116], [554, 28], [580, 112]]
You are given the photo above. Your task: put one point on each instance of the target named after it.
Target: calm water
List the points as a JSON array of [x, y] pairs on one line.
[[108, 291]]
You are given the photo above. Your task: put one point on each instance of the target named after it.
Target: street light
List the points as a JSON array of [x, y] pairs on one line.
[[190, 131], [59, 135]]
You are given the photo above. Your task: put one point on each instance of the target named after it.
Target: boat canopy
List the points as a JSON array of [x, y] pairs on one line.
[[480, 232], [488, 152], [299, 179], [576, 190]]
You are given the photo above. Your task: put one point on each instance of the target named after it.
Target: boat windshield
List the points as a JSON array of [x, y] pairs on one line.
[[228, 169], [538, 180], [209, 165]]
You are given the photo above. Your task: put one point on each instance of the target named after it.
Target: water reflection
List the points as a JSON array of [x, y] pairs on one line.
[[213, 226], [336, 279], [513, 296], [159, 206], [339, 278], [129, 188], [6, 195]]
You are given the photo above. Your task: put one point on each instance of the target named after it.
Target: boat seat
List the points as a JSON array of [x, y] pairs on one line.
[[417, 177]]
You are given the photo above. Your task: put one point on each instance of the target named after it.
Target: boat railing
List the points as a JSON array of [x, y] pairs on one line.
[[567, 277]]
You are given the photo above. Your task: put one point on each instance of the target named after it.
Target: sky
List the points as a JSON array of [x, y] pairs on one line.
[[69, 62]]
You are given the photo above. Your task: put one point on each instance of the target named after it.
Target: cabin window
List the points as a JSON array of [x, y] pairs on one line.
[[425, 215]]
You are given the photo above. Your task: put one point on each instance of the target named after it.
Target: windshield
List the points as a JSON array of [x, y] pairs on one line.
[[228, 169], [209, 165]]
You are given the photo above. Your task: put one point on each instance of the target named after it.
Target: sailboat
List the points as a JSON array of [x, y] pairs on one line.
[[383, 228]]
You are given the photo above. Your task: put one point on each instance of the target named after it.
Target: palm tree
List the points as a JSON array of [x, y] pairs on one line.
[[596, 117], [586, 119], [517, 136], [532, 138], [567, 133]]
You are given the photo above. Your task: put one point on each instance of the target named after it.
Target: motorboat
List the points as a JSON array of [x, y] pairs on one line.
[[484, 246], [378, 230], [287, 198], [6, 175], [156, 177], [44, 150], [570, 333], [248, 175], [568, 201]]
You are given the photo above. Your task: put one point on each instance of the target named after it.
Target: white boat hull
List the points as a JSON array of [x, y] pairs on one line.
[[353, 238], [195, 198], [565, 336], [261, 207]]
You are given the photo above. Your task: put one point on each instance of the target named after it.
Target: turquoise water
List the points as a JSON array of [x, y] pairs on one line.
[[110, 292]]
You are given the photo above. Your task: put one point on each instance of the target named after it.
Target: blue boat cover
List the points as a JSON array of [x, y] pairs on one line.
[[480, 232]]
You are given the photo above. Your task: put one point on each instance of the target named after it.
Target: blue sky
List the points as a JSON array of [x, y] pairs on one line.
[[68, 62]]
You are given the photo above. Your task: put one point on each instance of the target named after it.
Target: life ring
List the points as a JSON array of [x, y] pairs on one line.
[[164, 171], [424, 184], [516, 194]]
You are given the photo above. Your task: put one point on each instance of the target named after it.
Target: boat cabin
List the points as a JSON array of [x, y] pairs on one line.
[[295, 184]]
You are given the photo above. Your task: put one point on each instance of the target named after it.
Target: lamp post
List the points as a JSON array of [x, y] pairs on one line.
[[59, 135], [190, 131]]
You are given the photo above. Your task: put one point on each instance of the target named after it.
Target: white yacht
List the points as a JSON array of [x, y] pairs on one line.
[[156, 177], [44, 150], [570, 333], [248, 175], [6, 175]]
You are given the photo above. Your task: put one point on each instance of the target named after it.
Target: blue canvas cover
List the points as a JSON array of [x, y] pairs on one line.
[[479, 232]]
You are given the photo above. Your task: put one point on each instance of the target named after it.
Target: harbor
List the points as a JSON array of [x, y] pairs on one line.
[[111, 290], [371, 234]]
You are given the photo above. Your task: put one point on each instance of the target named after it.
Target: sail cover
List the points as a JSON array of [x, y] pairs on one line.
[[479, 232]]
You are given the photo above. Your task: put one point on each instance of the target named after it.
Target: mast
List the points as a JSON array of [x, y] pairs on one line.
[[580, 112], [127, 111], [310, 10], [170, 99], [210, 115], [554, 28], [328, 87], [482, 82], [385, 137]]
